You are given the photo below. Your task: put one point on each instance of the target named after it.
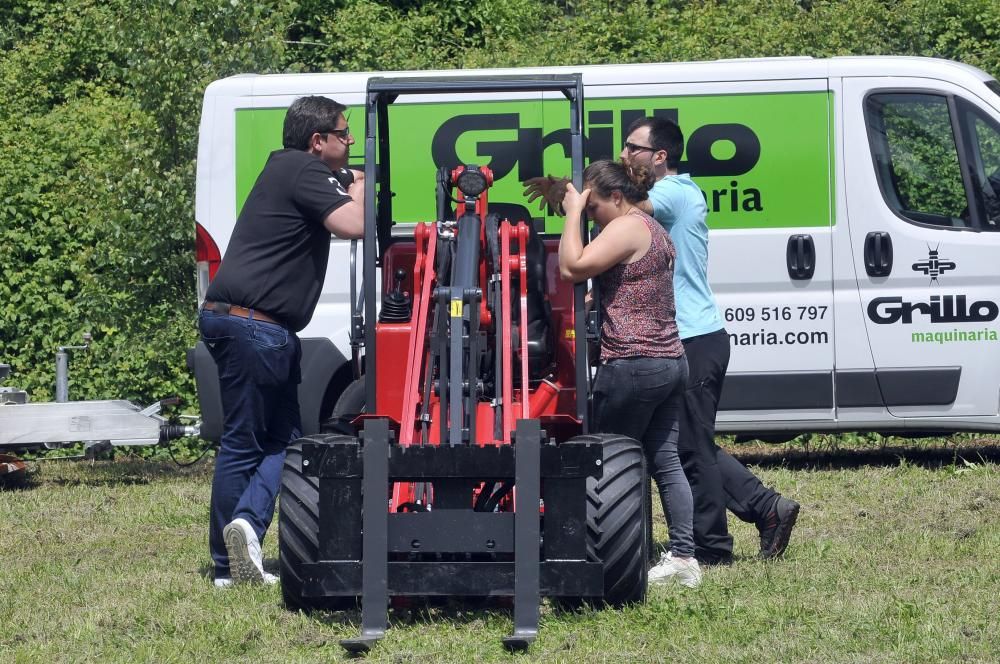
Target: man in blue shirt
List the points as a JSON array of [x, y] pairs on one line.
[[717, 479]]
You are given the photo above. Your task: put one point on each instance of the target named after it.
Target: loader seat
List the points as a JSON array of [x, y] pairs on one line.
[[541, 345]]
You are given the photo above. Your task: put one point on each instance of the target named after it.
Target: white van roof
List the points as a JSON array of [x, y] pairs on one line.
[[746, 69]]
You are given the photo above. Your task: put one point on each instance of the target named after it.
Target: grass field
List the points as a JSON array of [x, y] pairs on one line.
[[896, 558]]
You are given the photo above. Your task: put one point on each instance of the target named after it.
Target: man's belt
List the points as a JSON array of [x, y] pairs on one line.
[[236, 310]]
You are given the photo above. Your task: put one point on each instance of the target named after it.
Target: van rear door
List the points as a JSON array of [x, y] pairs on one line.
[[922, 172], [771, 259]]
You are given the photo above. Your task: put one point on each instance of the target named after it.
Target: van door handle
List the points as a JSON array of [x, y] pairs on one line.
[[801, 257], [878, 254]]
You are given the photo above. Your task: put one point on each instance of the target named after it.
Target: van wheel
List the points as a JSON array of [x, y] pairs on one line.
[[350, 404], [618, 520], [298, 528]]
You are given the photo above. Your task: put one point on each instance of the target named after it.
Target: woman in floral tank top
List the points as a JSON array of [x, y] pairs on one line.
[[643, 371]]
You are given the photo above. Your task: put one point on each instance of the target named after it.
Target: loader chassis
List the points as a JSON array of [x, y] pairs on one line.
[[474, 422]]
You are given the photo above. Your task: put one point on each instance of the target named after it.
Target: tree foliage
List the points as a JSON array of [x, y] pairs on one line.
[[99, 110], [99, 113]]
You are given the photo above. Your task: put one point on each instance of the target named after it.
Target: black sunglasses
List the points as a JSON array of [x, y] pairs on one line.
[[632, 147], [342, 133]]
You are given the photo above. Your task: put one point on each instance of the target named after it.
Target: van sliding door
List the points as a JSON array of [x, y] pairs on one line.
[[760, 152]]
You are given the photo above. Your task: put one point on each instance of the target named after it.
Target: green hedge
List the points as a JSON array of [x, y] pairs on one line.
[[99, 110], [100, 102]]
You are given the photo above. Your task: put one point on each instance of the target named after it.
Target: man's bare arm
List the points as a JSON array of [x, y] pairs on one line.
[[348, 221]]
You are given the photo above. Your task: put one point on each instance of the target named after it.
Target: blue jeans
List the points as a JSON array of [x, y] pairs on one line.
[[641, 397], [258, 365]]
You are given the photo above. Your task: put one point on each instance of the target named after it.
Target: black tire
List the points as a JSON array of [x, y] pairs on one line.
[[298, 528], [350, 404], [618, 520]]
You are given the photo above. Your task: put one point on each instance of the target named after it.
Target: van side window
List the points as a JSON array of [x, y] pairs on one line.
[[916, 157], [983, 149]]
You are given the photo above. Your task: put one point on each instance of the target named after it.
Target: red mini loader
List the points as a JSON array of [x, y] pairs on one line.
[[470, 422]]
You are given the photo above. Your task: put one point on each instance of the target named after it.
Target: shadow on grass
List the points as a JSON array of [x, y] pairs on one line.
[[406, 612], [411, 611], [844, 459], [114, 473], [17, 482]]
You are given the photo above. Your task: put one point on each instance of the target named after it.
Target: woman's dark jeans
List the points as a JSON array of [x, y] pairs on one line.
[[258, 366], [640, 397]]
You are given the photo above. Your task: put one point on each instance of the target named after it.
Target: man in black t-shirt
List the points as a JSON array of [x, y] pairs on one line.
[[265, 291]]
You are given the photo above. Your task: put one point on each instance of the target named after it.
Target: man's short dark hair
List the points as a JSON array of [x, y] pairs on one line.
[[664, 134], [307, 116]]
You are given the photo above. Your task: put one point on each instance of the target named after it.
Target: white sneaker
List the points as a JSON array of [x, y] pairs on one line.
[[245, 561], [684, 571], [225, 581]]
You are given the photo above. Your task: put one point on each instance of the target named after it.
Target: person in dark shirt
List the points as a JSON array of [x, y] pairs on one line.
[[265, 291]]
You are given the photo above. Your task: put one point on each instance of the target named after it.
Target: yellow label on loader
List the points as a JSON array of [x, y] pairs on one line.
[[456, 308]]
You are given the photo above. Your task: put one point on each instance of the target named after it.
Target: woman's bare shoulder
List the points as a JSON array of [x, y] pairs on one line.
[[627, 224]]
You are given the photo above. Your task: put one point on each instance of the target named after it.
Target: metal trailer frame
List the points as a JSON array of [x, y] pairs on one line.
[[97, 424]]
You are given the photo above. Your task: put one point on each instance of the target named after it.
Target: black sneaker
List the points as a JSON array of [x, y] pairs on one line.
[[776, 528]]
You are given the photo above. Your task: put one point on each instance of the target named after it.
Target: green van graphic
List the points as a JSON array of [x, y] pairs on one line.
[[761, 160]]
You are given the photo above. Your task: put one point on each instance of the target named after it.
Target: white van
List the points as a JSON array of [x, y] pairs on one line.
[[854, 208]]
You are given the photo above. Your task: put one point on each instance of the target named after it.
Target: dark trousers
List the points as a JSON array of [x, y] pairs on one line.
[[746, 496], [718, 481], [640, 397], [708, 357], [258, 366]]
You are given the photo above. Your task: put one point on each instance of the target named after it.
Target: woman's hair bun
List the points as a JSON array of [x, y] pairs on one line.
[[633, 181]]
